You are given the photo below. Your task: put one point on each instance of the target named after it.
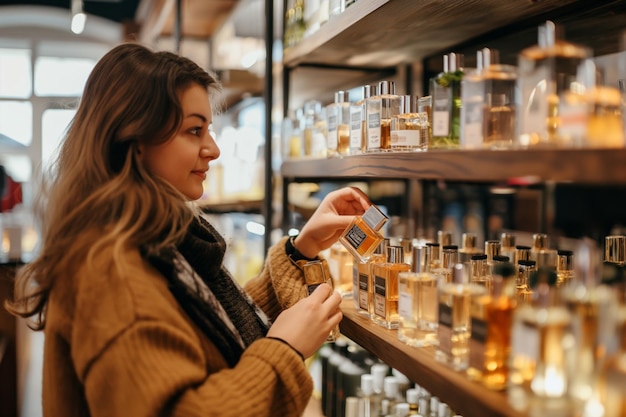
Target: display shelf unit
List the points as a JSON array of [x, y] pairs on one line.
[[469, 398], [587, 166]]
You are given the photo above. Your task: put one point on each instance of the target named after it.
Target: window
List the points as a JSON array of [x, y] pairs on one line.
[[15, 73]]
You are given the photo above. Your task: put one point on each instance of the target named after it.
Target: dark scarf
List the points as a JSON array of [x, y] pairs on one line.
[[208, 293]]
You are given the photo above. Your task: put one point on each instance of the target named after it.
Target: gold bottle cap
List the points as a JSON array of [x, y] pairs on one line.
[[492, 248], [507, 240], [444, 237], [540, 241], [374, 217], [468, 241], [449, 256], [615, 249], [409, 104], [395, 254], [565, 260]]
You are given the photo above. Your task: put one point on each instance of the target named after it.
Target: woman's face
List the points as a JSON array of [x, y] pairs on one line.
[[183, 160]]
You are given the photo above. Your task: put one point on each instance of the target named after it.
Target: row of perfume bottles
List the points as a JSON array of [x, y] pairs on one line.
[[303, 18], [356, 384], [381, 121], [552, 98], [550, 346]]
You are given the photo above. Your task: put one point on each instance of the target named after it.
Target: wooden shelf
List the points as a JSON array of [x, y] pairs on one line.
[[419, 365], [385, 33], [516, 167]]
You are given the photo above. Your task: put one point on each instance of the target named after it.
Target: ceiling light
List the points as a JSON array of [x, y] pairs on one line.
[[78, 17]]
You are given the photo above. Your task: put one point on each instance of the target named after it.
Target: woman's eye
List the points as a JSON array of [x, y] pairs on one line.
[[197, 131]]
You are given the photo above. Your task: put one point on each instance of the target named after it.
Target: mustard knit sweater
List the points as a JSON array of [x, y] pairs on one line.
[[118, 344]]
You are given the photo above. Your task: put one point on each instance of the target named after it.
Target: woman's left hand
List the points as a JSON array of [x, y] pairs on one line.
[[334, 214]]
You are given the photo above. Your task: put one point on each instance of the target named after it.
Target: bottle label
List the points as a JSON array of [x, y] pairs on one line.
[[356, 114], [477, 342], [363, 291], [524, 343], [442, 100], [472, 131], [331, 138], [405, 138], [405, 305], [444, 330], [373, 131], [355, 236], [380, 293]]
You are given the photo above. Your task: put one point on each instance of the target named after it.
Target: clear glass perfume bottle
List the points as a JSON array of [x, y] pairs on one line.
[[362, 236], [358, 125], [417, 291], [406, 127], [366, 279], [316, 272], [593, 308], [386, 288], [552, 75], [381, 108], [454, 328], [540, 349], [480, 271], [446, 92], [522, 253], [343, 122], [314, 130], [424, 108], [432, 256]]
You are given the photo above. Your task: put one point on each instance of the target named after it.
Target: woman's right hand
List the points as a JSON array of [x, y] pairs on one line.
[[306, 324]]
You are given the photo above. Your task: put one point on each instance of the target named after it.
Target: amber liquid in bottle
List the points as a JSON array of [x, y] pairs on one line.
[[386, 288]]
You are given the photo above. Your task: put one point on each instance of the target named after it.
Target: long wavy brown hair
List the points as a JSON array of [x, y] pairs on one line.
[[97, 182]]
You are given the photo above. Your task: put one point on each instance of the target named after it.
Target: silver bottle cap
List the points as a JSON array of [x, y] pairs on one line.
[[366, 90], [341, 96], [565, 260], [458, 274], [381, 249], [455, 62], [409, 104], [418, 255], [374, 217], [395, 254], [468, 240], [446, 63], [615, 249], [490, 57], [507, 240], [386, 87], [367, 384], [492, 248], [540, 241]]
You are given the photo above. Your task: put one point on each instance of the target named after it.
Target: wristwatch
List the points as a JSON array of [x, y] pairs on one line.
[[294, 255]]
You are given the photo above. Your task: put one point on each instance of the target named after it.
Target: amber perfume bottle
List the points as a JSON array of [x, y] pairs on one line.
[[432, 256], [454, 330], [362, 236], [316, 272], [366, 279], [522, 283], [564, 267], [522, 253], [417, 293], [386, 288]]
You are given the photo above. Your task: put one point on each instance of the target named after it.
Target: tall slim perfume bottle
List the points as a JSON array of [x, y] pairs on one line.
[[366, 279], [454, 329], [381, 108], [406, 127], [446, 92], [316, 272], [386, 288], [552, 75], [417, 291], [358, 125], [362, 236]]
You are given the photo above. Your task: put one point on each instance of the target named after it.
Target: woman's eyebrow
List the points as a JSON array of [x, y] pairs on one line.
[[203, 118]]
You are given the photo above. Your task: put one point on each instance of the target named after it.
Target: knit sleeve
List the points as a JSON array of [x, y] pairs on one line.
[[280, 284]]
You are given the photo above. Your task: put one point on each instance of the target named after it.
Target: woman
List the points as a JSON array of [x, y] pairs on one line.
[[140, 317]]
